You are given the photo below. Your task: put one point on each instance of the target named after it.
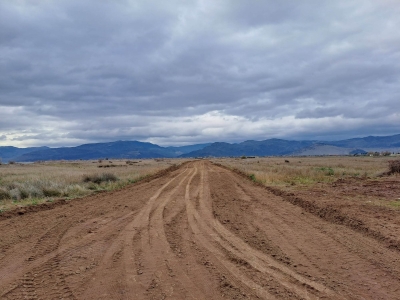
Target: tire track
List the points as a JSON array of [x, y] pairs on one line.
[[330, 261], [43, 261], [199, 232], [232, 244], [163, 265], [127, 239]]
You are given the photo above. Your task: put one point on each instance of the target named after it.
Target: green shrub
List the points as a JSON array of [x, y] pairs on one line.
[[328, 171]]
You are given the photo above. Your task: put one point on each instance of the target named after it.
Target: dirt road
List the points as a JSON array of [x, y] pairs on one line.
[[199, 232]]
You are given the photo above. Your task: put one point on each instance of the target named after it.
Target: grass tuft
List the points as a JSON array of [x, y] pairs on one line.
[[99, 178], [50, 192], [253, 177], [4, 195]]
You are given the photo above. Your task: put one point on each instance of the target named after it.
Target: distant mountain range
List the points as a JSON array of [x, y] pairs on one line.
[[119, 149], [8, 153], [269, 147], [278, 147], [139, 150]]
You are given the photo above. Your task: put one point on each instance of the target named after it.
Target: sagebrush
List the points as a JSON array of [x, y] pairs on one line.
[[394, 166]]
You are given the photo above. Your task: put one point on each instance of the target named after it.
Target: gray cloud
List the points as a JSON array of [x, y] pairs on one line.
[[176, 73]]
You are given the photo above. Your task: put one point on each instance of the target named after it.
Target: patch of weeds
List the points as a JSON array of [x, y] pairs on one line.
[[76, 190], [34, 190], [253, 177], [15, 194], [327, 171], [93, 186], [134, 180], [395, 204], [394, 166], [99, 178], [302, 180], [19, 194], [130, 181], [4, 195], [23, 194], [48, 192], [34, 202]]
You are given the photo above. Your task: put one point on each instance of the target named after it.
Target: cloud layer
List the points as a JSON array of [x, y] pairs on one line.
[[179, 72]]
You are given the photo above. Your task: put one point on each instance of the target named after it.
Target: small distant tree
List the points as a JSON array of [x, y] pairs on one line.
[[386, 153]]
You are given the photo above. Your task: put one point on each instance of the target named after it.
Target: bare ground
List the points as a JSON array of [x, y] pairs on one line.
[[198, 232]]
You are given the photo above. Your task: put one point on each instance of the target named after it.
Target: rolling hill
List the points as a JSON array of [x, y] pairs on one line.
[[116, 150], [252, 148], [140, 150]]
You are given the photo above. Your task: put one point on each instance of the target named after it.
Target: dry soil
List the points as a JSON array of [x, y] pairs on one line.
[[197, 232]]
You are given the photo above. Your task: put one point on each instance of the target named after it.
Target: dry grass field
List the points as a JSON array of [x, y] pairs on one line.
[[306, 171], [360, 188], [335, 180], [31, 184]]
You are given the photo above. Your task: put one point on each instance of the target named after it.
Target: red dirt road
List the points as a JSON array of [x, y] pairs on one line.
[[198, 232]]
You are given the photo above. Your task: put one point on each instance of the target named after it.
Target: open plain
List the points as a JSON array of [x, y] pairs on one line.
[[203, 231]]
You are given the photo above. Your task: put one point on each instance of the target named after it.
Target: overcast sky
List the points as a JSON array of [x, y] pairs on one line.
[[183, 72]]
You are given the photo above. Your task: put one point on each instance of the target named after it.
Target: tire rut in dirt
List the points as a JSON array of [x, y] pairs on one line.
[[199, 232], [327, 253], [237, 247]]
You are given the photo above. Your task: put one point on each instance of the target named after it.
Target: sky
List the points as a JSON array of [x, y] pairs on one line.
[[185, 72]]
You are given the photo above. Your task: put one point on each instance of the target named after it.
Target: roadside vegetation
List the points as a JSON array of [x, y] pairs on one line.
[[355, 182], [304, 171], [32, 184]]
